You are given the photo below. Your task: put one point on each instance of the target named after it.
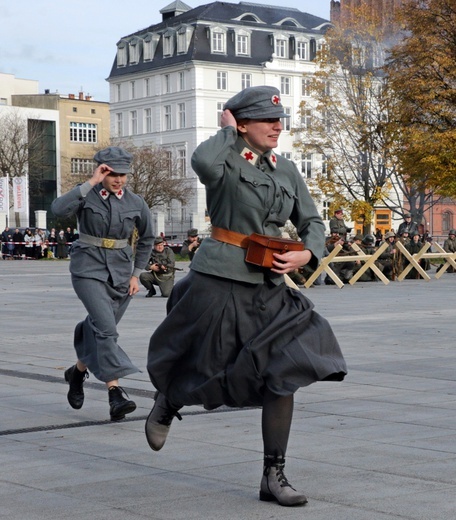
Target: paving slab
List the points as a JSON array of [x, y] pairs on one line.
[[379, 446]]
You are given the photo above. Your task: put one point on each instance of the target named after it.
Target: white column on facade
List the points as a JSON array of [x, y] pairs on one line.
[[41, 219]]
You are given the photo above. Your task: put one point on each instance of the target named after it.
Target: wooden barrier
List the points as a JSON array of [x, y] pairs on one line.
[[369, 263]]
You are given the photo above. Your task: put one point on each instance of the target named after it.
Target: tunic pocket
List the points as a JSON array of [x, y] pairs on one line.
[[253, 191]]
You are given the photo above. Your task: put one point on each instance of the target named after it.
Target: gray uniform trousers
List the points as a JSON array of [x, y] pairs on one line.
[[95, 338]]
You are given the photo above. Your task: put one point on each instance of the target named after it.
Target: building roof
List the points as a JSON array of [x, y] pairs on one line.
[[256, 17]]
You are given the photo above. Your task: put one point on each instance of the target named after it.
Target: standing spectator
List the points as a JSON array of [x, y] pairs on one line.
[[61, 250], [37, 243], [235, 334], [69, 239], [52, 241], [5, 234], [104, 273], [191, 245], [160, 270], [18, 239], [408, 226], [28, 240], [337, 224]]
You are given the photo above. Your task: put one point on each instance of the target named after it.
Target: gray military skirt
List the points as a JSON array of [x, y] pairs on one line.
[[225, 342]]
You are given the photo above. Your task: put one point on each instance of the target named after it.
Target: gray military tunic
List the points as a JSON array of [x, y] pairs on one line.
[[234, 329], [101, 276]]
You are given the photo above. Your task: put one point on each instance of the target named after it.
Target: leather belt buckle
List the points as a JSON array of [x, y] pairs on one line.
[[108, 243]]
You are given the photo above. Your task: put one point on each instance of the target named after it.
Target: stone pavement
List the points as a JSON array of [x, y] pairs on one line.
[[379, 446]]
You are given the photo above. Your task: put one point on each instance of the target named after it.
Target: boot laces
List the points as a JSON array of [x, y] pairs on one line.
[[279, 467], [168, 414]]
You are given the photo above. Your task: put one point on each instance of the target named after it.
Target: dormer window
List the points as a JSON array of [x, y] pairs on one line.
[[281, 45], [184, 36], [242, 43], [122, 53], [150, 45], [168, 43], [302, 50], [218, 40], [135, 46]]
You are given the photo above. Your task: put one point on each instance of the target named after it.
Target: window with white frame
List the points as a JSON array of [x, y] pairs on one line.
[[83, 132], [166, 84], [302, 50], [181, 80], [286, 121], [326, 210], [181, 114], [306, 119], [182, 162], [220, 105], [281, 47], [246, 80], [132, 89], [167, 117], [306, 165], [286, 155], [118, 92], [119, 125], [285, 85], [134, 122], [82, 166], [222, 80], [146, 87], [327, 88], [148, 120], [324, 165], [243, 43], [305, 87], [218, 40]]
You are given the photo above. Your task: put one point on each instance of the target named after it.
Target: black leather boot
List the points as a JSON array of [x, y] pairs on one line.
[[118, 405], [159, 421], [75, 378], [275, 486]]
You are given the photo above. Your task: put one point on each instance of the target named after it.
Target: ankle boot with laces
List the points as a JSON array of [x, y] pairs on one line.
[[118, 405], [159, 421], [75, 378], [275, 486]]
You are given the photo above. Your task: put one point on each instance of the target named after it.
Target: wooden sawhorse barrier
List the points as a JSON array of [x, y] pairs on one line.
[[369, 263]]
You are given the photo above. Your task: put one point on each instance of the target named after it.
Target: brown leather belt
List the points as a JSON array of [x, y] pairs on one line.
[[230, 237]]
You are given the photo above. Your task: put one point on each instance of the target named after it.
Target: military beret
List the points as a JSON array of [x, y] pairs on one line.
[[193, 232], [158, 240], [117, 158], [256, 103]]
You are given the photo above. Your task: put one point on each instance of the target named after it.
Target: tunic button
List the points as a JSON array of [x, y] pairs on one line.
[[263, 307]]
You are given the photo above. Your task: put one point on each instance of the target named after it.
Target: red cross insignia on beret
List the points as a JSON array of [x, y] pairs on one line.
[[275, 100]]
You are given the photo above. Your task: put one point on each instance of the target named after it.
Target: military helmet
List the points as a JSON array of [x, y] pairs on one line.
[[369, 240], [452, 232]]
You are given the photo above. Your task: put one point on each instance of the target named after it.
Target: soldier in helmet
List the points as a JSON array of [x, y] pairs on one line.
[[450, 246], [387, 258], [160, 270]]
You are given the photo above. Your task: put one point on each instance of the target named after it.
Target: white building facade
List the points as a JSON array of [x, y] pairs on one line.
[[169, 82]]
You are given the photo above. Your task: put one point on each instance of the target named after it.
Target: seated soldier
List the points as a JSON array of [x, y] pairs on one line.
[[160, 270]]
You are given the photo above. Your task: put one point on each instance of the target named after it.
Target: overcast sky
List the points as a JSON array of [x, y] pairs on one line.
[[69, 46]]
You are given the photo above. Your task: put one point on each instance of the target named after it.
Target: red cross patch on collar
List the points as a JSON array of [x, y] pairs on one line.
[[249, 156], [104, 193], [272, 160]]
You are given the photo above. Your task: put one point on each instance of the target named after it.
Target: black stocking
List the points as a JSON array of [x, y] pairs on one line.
[[276, 423]]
